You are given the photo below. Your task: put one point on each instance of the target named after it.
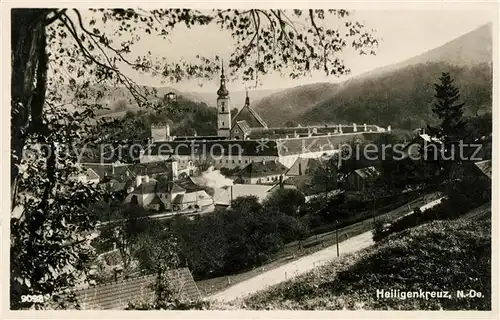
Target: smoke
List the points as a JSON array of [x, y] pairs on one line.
[[213, 179]]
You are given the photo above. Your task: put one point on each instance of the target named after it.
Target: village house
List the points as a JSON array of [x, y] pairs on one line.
[[163, 195], [358, 179], [262, 172]]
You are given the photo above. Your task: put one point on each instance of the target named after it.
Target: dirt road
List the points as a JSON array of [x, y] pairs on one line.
[[300, 266]]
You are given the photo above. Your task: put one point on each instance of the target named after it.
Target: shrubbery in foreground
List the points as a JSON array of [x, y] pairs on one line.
[[442, 255]]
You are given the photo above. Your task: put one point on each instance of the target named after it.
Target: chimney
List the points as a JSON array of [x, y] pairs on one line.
[[364, 125], [389, 128], [168, 132], [354, 128]]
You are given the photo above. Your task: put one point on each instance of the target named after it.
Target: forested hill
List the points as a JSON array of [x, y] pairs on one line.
[[184, 116], [400, 94], [403, 98], [288, 105]]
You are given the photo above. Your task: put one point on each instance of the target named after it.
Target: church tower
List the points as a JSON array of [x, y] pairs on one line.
[[223, 108]]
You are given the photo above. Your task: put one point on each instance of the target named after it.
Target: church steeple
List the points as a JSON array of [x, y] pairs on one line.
[[222, 92], [247, 99], [223, 108]]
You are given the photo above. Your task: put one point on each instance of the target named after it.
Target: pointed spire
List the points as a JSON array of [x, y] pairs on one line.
[[223, 76], [222, 92], [247, 99]]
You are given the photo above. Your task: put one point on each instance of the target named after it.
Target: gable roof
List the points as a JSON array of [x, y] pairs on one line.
[[260, 169], [368, 172], [304, 166], [117, 295], [91, 174], [107, 170], [146, 187], [301, 183], [188, 185]]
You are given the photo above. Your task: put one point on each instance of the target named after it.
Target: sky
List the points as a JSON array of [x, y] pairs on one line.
[[403, 34]]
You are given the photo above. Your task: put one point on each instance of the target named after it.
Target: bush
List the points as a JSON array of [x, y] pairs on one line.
[[380, 230], [442, 255]]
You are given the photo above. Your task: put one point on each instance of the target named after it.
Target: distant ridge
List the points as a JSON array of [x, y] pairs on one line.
[[400, 94]]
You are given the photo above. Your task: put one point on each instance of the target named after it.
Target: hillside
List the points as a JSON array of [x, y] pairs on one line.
[[472, 48], [185, 117], [289, 104], [441, 255], [399, 94], [237, 97]]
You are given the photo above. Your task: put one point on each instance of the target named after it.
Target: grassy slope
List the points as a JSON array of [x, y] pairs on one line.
[[298, 249], [442, 255]]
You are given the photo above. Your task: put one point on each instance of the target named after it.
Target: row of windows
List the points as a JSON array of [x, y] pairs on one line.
[[234, 161]]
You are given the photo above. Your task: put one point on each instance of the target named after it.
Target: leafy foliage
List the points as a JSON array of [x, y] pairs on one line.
[[245, 235], [62, 61], [287, 201]]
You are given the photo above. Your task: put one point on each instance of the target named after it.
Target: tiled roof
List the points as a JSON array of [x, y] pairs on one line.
[[117, 295], [304, 166], [368, 172], [243, 125], [250, 116], [485, 167], [318, 143], [301, 183], [189, 185], [259, 169], [91, 174], [164, 186], [260, 147], [201, 198], [104, 170], [146, 187], [314, 130], [150, 168], [214, 147]]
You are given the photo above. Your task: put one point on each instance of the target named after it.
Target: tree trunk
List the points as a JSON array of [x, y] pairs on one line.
[[29, 67]]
